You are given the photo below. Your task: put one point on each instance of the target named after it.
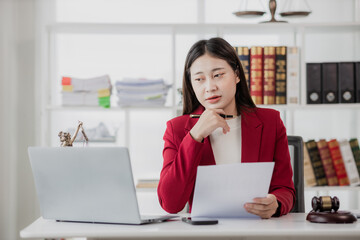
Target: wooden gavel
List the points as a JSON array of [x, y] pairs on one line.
[[325, 203]]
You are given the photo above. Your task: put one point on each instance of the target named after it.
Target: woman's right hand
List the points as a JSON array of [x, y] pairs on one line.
[[207, 123]]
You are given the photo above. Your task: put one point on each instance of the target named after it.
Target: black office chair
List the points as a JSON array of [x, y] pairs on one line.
[[297, 162]]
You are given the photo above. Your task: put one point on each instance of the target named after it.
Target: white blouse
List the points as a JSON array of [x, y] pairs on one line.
[[227, 147]]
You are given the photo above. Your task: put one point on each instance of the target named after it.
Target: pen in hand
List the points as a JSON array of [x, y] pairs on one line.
[[221, 115]]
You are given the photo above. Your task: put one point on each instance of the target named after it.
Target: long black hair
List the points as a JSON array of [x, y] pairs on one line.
[[219, 48]]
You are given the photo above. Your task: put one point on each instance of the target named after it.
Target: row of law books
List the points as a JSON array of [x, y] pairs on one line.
[[331, 163], [272, 73], [86, 91], [333, 82]]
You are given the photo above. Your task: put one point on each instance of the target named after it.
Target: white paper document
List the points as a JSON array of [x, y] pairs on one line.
[[222, 190]]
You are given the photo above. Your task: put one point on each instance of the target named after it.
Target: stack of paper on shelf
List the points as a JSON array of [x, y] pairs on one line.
[[86, 92], [141, 92]]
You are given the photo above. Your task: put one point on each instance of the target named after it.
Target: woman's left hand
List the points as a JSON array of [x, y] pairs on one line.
[[263, 207]]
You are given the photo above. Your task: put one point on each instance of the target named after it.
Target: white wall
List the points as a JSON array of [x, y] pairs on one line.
[[26, 197], [8, 117], [17, 66]]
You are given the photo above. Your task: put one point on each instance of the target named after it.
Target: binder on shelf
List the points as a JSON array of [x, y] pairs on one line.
[[357, 82], [293, 76], [280, 76], [329, 83], [313, 83], [269, 75], [346, 82]]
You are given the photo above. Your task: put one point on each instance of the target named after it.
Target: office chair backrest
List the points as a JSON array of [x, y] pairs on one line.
[[297, 162]]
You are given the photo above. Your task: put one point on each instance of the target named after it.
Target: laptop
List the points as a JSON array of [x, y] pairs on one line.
[[87, 184]]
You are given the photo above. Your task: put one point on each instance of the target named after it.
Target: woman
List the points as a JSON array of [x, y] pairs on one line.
[[214, 86]]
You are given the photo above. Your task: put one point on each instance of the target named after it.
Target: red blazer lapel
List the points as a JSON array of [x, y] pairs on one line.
[[251, 132]]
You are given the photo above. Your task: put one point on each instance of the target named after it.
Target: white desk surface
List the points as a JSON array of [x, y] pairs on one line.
[[293, 224]]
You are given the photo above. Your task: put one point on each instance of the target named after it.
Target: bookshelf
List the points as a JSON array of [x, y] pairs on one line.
[[294, 34], [302, 35]]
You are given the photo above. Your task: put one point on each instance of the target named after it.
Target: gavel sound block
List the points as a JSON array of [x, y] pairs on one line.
[[325, 210]]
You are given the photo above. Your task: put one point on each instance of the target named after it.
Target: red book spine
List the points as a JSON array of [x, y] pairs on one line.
[[269, 75], [327, 163], [256, 74], [338, 162]]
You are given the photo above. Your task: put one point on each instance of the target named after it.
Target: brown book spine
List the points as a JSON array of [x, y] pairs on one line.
[[269, 75], [309, 177], [256, 74], [280, 77], [327, 163], [316, 163], [338, 162], [356, 152]]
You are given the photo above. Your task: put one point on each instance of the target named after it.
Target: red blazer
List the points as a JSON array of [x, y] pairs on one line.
[[263, 139]]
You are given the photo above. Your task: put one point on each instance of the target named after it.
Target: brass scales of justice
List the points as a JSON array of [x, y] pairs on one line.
[[292, 8], [67, 141]]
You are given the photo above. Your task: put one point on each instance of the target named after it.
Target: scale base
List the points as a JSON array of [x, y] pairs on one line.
[[273, 20], [331, 217]]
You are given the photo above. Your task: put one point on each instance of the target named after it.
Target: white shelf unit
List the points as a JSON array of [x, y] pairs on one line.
[[296, 32], [295, 35]]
